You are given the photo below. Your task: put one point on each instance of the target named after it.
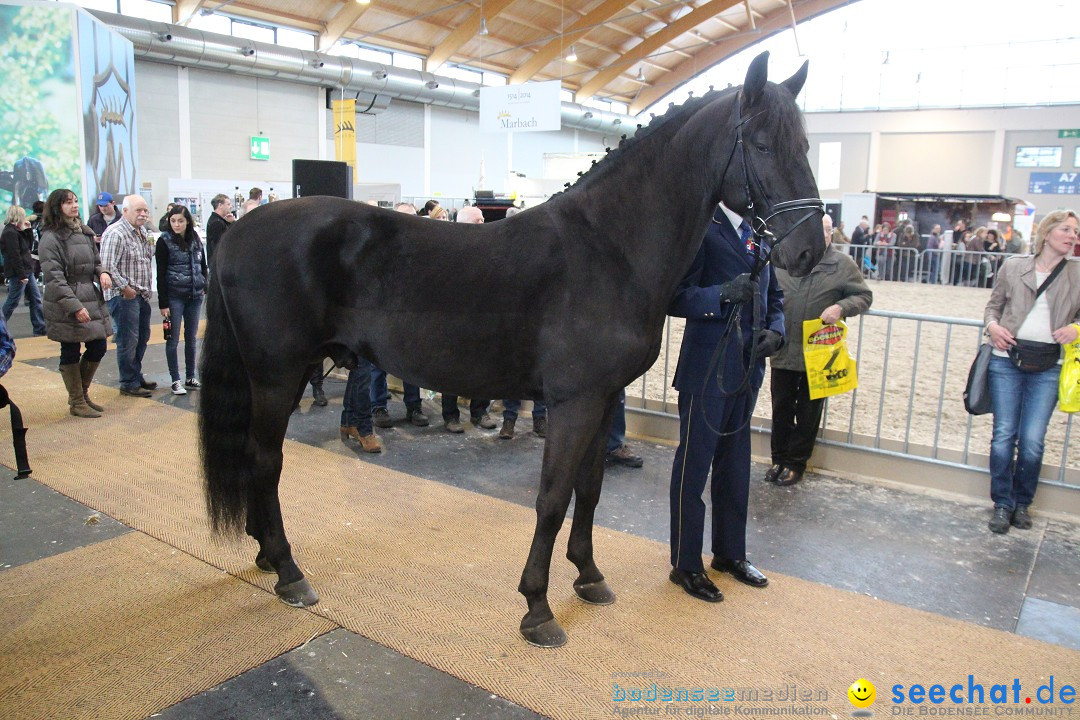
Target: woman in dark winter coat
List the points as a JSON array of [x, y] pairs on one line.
[[15, 242], [74, 306], [181, 284]]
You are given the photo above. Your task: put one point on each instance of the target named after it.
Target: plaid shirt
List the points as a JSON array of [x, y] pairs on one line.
[[127, 255]]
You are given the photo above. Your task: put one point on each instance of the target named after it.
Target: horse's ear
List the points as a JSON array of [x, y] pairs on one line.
[[756, 76], [795, 83]]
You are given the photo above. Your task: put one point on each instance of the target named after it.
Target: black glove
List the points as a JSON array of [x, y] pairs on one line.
[[768, 342], [739, 290]]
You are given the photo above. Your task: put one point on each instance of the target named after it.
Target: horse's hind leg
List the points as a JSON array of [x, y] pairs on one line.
[[271, 408], [590, 585], [571, 427]]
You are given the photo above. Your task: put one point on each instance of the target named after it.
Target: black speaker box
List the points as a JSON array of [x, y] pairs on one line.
[[321, 177]]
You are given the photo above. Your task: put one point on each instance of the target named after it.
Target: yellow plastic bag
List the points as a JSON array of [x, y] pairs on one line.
[[1069, 381], [829, 368]]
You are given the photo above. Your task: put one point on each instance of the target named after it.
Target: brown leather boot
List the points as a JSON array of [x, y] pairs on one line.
[[87, 370], [347, 432], [370, 443], [73, 383]]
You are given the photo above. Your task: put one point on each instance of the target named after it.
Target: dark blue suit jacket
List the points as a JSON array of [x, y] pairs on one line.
[[721, 258]]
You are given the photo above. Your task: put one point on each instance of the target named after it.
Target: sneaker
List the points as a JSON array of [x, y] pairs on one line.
[[178, 389], [484, 421], [540, 426], [381, 418], [1020, 518], [507, 430], [417, 417], [1000, 522], [454, 426], [622, 456], [192, 384]]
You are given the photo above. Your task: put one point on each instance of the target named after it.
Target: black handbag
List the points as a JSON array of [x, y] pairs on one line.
[[1033, 357], [977, 391]]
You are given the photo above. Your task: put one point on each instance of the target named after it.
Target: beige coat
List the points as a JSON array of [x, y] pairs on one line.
[[70, 266], [1014, 294]]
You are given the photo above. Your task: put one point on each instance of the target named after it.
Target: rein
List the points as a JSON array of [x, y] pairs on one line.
[[764, 242]]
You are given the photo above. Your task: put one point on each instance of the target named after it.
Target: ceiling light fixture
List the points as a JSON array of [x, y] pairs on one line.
[[483, 26], [640, 75], [572, 55], [363, 2]]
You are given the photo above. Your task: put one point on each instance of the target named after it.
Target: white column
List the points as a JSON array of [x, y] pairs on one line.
[[323, 119], [872, 161], [997, 164], [184, 105]]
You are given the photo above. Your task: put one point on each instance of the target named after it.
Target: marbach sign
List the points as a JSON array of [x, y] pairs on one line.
[[531, 107]]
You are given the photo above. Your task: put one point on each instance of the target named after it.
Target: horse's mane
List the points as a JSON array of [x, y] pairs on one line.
[[786, 116], [675, 115]]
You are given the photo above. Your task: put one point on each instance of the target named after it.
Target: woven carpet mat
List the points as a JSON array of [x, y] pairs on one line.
[[128, 626], [431, 571]]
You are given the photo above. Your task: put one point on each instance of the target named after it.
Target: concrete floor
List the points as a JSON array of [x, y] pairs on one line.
[[911, 548]]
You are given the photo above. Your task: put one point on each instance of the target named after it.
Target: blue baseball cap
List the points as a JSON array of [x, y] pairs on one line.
[[104, 198]]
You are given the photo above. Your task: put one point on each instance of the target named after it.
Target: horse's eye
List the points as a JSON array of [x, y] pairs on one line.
[[762, 148]]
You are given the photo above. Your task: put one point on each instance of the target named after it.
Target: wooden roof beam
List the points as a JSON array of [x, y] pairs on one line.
[[768, 24], [579, 29], [463, 33], [647, 46], [339, 24], [184, 10]]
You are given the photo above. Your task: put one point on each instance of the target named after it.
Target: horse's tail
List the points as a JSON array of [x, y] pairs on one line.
[[224, 419]]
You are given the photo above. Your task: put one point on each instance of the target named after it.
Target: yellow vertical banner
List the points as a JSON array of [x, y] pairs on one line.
[[345, 134]]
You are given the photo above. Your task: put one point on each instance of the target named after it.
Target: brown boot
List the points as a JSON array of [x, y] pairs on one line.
[[87, 370], [370, 443], [349, 432], [73, 383]]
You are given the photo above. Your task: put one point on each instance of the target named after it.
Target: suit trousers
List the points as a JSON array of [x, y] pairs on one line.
[[796, 419], [703, 450]]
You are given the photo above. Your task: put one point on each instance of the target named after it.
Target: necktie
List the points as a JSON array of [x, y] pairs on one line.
[[746, 236]]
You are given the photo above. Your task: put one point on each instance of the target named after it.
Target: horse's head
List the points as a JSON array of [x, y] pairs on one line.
[[767, 176]]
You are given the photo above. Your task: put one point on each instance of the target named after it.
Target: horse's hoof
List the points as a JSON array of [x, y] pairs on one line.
[[297, 594], [264, 565], [547, 635], [595, 593]]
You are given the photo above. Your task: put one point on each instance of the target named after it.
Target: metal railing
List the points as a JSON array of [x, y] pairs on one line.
[[966, 268], [912, 371]]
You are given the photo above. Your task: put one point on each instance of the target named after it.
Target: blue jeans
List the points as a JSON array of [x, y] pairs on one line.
[[511, 407], [617, 437], [183, 312], [16, 289], [1023, 403], [356, 405], [380, 395], [132, 321]]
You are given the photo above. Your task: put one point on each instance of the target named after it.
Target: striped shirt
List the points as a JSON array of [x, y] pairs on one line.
[[127, 255]]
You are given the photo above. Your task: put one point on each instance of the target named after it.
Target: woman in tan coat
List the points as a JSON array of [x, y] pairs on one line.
[[75, 311]]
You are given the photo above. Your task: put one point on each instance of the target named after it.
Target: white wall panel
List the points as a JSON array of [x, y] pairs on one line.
[[226, 110], [935, 162], [158, 126]]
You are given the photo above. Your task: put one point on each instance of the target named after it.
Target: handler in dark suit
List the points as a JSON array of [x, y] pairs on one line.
[[707, 296]]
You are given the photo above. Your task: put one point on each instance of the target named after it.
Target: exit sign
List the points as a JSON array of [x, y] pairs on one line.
[[260, 147], [1069, 133]]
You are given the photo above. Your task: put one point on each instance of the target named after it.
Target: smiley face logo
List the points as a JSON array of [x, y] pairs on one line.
[[862, 693]]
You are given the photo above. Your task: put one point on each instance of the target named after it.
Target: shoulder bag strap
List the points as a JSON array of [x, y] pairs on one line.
[[1053, 274]]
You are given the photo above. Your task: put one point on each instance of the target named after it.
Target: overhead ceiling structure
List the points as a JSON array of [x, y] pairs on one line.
[[628, 51]]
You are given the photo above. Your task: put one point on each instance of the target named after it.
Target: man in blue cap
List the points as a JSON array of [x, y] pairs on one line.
[[105, 216]]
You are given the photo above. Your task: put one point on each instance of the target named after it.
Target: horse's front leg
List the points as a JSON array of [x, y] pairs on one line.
[[590, 585], [271, 408], [571, 427]]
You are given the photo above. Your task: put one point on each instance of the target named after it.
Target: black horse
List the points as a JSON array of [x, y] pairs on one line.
[[564, 302]]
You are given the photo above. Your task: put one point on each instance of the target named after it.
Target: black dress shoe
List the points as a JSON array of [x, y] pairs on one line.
[[774, 472], [147, 384], [697, 584], [742, 570], [789, 476]]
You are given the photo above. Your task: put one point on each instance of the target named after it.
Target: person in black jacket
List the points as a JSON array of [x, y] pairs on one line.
[[219, 221], [163, 223], [15, 242], [181, 285]]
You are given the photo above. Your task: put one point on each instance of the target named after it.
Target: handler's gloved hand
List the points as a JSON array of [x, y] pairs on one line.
[[739, 290], [768, 342]]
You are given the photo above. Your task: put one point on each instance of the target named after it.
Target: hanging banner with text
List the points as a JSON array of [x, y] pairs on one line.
[[345, 134], [531, 107]]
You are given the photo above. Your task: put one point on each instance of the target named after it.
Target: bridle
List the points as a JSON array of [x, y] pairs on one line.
[[764, 243]]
